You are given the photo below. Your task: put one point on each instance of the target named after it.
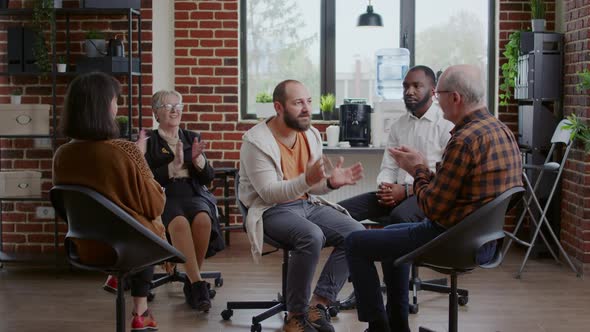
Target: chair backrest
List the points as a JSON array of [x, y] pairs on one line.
[[562, 135], [91, 216], [457, 248], [243, 209]]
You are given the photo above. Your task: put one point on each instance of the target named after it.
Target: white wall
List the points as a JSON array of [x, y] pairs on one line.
[[163, 45]]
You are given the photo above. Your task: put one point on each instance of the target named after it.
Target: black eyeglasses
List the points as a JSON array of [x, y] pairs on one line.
[[170, 107], [437, 93]]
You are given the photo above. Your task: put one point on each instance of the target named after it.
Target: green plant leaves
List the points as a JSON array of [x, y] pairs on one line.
[[509, 69]]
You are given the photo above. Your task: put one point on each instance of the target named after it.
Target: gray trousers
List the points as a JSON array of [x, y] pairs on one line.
[[308, 228]]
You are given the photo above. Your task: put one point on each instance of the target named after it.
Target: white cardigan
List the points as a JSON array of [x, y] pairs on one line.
[[261, 179]]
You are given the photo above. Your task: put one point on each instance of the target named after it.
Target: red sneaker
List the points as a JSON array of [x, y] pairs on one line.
[[145, 322], [111, 284]]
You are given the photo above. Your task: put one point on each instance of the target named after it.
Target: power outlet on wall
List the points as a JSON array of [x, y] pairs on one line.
[[45, 212], [43, 143]]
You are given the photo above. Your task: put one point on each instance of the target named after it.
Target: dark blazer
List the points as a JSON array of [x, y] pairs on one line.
[[159, 155]]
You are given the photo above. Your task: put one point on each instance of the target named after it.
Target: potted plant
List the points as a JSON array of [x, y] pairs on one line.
[[61, 64], [95, 45], [15, 96], [264, 105], [510, 67], [327, 103], [579, 129], [123, 122], [43, 21], [537, 15]]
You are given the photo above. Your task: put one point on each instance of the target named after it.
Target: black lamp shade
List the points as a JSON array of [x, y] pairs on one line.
[[369, 18]]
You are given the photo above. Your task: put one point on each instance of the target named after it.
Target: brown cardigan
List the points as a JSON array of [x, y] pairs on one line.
[[116, 169]]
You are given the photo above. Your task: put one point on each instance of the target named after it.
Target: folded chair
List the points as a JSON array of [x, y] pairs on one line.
[[532, 205], [92, 217], [455, 251]]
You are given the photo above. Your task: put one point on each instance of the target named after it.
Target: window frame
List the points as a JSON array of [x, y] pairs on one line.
[[328, 50]]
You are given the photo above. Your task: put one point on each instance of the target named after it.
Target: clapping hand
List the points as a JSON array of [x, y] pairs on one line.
[[314, 172], [407, 158], [343, 176], [198, 148], [178, 161], [142, 141]]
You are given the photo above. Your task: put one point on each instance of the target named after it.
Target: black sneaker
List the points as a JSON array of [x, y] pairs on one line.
[[188, 294], [319, 317], [200, 293], [298, 324]]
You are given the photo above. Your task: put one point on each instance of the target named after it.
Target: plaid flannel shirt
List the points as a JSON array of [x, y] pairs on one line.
[[481, 161]]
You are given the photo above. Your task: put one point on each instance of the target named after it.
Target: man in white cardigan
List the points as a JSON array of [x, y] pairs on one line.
[[282, 169]]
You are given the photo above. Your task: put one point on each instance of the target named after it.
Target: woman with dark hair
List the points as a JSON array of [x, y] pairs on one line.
[[115, 168]]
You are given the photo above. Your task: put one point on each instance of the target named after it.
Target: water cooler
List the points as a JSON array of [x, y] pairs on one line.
[[392, 65]]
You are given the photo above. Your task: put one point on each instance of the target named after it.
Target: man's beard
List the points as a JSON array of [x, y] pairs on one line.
[[414, 107], [293, 123]]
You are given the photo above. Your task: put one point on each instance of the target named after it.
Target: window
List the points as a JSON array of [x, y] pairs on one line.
[[318, 43], [356, 47], [282, 42], [453, 32]]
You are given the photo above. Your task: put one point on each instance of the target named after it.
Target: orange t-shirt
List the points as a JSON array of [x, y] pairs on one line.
[[294, 159]]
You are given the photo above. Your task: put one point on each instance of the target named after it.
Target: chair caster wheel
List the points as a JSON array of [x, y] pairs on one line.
[[256, 328], [212, 293], [413, 308], [151, 296], [333, 311], [226, 314], [218, 282], [463, 300]]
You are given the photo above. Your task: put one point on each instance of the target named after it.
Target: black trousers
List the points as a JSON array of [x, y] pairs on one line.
[[141, 282], [366, 206]]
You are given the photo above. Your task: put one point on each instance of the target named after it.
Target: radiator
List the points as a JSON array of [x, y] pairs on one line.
[[371, 163]]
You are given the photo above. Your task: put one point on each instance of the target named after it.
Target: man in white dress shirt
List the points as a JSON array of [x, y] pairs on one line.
[[423, 128]]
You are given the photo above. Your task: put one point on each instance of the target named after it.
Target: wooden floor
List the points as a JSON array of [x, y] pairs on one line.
[[548, 298]]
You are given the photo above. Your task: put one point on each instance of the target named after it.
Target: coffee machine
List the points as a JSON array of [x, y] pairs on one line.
[[355, 124]]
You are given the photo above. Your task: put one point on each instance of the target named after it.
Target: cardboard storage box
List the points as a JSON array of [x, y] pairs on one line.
[[20, 184], [24, 119]]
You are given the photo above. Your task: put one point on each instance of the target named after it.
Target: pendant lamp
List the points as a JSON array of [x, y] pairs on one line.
[[370, 19]]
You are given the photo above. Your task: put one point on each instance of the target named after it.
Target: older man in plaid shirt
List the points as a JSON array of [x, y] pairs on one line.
[[481, 161]]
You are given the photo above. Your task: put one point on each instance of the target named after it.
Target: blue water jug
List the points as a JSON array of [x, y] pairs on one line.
[[392, 66]]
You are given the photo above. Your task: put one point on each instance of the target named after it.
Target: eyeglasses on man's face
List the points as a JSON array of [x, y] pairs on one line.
[[438, 92], [170, 107]]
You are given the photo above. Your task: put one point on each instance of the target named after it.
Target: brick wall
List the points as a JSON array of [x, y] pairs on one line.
[[575, 205], [22, 231], [207, 74]]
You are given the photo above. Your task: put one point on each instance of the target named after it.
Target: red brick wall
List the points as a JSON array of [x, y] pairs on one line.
[[515, 16], [22, 231], [206, 73], [575, 223]]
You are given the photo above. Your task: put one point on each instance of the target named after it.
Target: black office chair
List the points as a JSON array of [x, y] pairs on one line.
[[92, 217], [274, 306], [416, 283], [454, 252]]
